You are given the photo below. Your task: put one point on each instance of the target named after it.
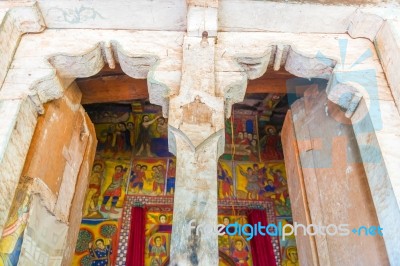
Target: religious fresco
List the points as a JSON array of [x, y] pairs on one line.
[[97, 243], [288, 246], [151, 133], [270, 142], [135, 137], [158, 235], [12, 237], [277, 188], [171, 174], [225, 177], [106, 191], [234, 249], [251, 179], [148, 177], [241, 139], [115, 131]]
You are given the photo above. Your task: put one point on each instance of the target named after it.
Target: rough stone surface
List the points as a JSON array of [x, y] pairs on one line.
[[15, 21], [196, 126]]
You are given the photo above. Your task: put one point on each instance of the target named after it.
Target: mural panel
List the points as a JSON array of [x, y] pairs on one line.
[[115, 131], [11, 240], [277, 188], [225, 180], [251, 179], [158, 235], [241, 138], [288, 247], [148, 177], [234, 249], [152, 135], [97, 243], [106, 192]]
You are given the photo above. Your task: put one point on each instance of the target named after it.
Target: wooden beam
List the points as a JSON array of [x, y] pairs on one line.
[[112, 89], [120, 87], [266, 86]]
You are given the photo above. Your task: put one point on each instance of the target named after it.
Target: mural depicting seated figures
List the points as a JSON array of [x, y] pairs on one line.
[[132, 159]]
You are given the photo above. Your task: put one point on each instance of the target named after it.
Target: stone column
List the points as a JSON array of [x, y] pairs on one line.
[[196, 130]]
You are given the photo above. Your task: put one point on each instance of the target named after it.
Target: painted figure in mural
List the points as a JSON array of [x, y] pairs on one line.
[[253, 150], [171, 177], [270, 187], [100, 254], [162, 128], [110, 134], [271, 144], [137, 178], [94, 189], [253, 186], [131, 131], [114, 190], [158, 180], [157, 252], [225, 182], [291, 257], [223, 241], [279, 182], [144, 138], [240, 255], [11, 240], [120, 137]]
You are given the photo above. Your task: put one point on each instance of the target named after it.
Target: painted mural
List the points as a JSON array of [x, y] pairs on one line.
[[11, 240], [115, 131], [226, 189], [158, 235], [277, 188], [151, 135], [288, 247], [106, 191], [241, 137], [133, 159], [97, 243], [233, 248], [251, 179], [270, 142], [171, 173], [148, 176]]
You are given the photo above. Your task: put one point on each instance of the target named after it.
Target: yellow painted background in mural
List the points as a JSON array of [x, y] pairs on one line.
[[250, 180], [94, 236], [235, 247], [150, 177], [11, 239], [225, 180], [158, 237]]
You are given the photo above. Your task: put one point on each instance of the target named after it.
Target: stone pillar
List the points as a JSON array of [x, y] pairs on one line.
[[196, 130]]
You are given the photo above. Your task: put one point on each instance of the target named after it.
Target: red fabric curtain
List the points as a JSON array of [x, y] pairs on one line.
[[261, 246], [136, 241]]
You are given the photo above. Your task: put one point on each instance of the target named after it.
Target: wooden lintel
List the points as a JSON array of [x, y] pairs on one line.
[[266, 86], [112, 89]]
